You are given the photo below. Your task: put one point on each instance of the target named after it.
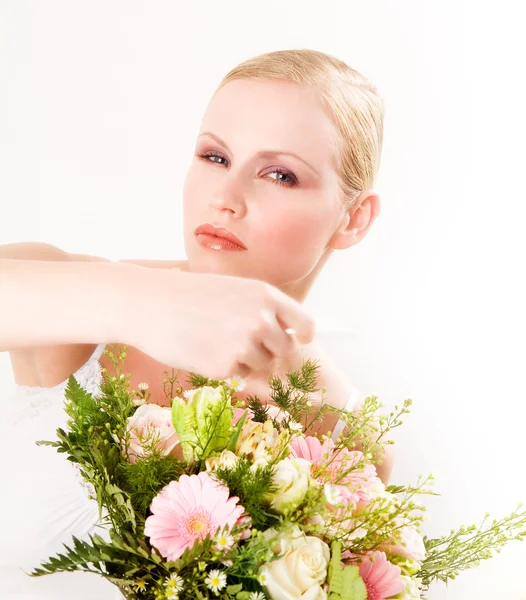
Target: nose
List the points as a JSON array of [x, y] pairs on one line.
[[229, 195]]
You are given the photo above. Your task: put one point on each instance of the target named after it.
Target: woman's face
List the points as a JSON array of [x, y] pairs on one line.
[[244, 178]]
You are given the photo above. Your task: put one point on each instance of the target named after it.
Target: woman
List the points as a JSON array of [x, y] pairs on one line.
[[282, 174]]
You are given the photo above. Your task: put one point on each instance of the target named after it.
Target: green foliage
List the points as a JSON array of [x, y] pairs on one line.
[[252, 487], [293, 398], [147, 477], [90, 442], [259, 410], [466, 547], [246, 564], [124, 554], [197, 380], [96, 437], [345, 583]]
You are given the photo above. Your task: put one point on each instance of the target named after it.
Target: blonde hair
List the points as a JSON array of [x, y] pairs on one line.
[[350, 100]]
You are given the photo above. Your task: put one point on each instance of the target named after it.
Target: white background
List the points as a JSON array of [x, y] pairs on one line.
[[100, 104]]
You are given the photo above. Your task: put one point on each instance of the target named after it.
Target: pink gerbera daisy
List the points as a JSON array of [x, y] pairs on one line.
[[353, 487], [187, 510], [310, 448], [382, 579]]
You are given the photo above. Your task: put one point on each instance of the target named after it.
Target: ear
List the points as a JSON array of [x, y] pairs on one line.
[[356, 222]]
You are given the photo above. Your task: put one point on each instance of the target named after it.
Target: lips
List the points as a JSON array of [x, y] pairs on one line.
[[221, 233]]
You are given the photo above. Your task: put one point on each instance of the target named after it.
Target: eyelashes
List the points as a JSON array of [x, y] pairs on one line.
[[206, 156]]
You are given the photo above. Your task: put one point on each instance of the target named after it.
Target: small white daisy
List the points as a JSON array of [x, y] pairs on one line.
[[174, 582], [139, 401], [257, 596], [224, 542], [216, 580], [189, 393], [295, 426], [171, 594], [143, 387], [236, 383], [262, 579]]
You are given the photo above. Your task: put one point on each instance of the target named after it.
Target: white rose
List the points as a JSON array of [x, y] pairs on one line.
[[292, 476], [283, 541], [411, 591], [300, 572]]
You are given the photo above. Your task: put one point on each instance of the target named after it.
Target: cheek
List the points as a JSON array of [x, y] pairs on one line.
[[297, 236], [191, 190]]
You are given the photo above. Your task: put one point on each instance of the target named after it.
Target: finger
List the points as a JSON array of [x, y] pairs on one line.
[[241, 370], [282, 340], [257, 357], [293, 316], [277, 338]]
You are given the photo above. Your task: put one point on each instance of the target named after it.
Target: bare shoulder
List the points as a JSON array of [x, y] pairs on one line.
[[158, 264], [142, 262]]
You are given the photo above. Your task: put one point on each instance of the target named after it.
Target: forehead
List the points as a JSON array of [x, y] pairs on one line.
[[254, 115]]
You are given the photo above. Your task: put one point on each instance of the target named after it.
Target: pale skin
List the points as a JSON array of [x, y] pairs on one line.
[[286, 210], [232, 183]]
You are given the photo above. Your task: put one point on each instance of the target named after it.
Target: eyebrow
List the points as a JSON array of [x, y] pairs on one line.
[[264, 153]]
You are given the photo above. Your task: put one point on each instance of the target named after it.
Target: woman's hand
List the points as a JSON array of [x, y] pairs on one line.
[[328, 376], [214, 325]]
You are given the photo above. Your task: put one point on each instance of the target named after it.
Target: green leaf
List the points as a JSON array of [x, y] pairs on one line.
[[237, 432], [345, 583], [335, 571], [353, 585], [184, 422]]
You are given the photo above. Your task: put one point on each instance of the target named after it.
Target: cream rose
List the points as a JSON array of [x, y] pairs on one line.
[[150, 427], [300, 572], [292, 477], [258, 441]]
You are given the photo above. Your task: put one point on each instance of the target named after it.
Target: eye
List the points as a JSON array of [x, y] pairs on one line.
[[283, 177], [207, 155]]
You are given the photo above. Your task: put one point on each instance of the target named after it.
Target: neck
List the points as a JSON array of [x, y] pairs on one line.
[[300, 288]]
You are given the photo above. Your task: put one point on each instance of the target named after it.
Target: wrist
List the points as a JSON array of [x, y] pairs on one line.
[[128, 292]]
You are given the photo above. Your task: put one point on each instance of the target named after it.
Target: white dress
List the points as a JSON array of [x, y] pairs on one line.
[[43, 499]]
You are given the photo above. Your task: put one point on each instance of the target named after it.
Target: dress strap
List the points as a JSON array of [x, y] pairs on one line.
[[349, 406], [98, 352]]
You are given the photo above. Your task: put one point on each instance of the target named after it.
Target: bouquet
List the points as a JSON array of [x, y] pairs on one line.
[[214, 498]]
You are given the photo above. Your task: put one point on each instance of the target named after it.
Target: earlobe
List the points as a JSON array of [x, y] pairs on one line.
[[355, 225], [344, 239]]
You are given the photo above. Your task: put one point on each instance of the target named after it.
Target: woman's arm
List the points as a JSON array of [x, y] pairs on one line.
[[52, 302]]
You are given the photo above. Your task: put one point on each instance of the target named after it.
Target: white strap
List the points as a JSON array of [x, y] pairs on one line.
[[349, 406]]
